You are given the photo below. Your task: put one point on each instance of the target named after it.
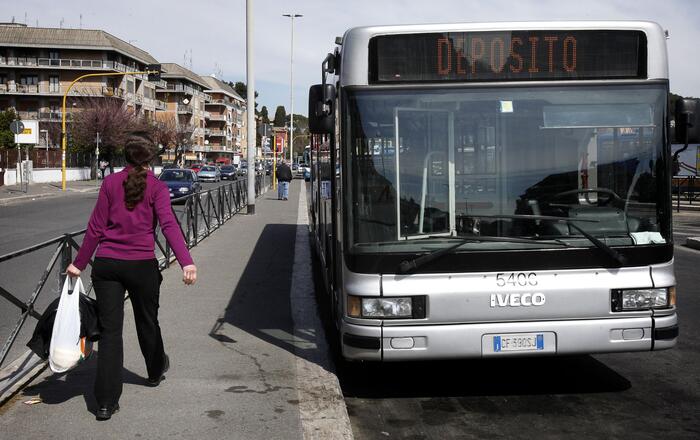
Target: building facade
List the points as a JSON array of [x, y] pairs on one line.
[[38, 64], [223, 130], [185, 101]]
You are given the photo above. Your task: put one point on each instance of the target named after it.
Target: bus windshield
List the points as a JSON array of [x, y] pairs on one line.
[[540, 163]]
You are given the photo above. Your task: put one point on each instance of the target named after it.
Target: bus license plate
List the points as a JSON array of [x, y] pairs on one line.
[[518, 342]]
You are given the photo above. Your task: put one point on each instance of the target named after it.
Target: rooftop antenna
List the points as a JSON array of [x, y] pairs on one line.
[[13, 19], [25, 17], [61, 25], [81, 21]]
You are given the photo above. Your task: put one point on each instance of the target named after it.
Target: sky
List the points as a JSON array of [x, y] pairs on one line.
[[212, 32]]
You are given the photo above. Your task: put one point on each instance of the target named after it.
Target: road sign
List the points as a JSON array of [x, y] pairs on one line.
[[29, 133], [17, 127]]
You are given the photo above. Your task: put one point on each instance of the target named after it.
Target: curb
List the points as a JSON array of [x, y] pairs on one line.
[[693, 242], [322, 406], [19, 373], [29, 197]]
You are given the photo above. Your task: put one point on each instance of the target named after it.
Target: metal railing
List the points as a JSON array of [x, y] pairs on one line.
[[68, 63], [202, 213], [685, 188], [48, 89]]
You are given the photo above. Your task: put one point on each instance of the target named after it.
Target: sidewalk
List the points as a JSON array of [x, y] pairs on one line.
[[248, 355], [12, 193]]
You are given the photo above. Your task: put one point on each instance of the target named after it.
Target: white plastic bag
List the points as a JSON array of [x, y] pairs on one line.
[[67, 348]]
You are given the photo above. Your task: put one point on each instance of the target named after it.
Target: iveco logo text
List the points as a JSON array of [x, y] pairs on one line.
[[517, 299]]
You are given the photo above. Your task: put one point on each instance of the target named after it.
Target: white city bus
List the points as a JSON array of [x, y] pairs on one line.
[[495, 189]]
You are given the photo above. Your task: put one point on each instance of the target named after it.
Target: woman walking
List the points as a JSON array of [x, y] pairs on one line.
[[121, 228]]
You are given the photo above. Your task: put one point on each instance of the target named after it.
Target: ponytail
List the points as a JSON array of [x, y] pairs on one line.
[[139, 151], [135, 186]]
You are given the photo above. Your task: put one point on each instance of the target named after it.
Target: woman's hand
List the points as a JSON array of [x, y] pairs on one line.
[[189, 274], [73, 271]]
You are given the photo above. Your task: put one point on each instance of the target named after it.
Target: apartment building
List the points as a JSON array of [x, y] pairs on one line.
[[223, 129], [185, 99], [38, 64]]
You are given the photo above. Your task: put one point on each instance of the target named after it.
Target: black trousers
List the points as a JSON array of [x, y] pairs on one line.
[[111, 278]]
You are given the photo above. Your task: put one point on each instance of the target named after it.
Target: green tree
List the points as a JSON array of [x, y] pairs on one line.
[[264, 115], [242, 90], [280, 117], [7, 138]]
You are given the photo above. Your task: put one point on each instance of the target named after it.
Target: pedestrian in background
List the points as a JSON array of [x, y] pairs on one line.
[[284, 176], [121, 228]]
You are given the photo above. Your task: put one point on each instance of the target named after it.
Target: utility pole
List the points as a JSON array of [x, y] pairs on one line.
[[97, 156], [291, 88], [250, 97]]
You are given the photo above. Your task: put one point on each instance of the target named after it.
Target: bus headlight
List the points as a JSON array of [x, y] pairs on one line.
[[386, 307], [643, 299]]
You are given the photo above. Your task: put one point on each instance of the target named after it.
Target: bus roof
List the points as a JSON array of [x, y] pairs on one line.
[[355, 45]]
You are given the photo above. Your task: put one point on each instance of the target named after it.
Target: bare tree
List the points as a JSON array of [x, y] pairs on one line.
[[172, 136], [111, 119]]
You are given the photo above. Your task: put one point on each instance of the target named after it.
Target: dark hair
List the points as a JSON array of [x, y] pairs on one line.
[[139, 150]]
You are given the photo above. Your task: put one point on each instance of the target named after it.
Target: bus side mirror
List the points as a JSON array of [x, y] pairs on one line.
[[687, 121], [321, 109]]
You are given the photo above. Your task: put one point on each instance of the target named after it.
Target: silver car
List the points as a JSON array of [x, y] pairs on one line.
[[209, 173]]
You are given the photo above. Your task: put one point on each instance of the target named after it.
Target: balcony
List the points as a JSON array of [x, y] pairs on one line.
[[184, 109], [45, 89], [213, 132], [64, 63], [52, 116], [160, 105], [217, 117], [220, 102], [181, 88]]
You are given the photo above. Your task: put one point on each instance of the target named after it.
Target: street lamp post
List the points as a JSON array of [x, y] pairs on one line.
[[64, 135], [291, 88], [250, 98]]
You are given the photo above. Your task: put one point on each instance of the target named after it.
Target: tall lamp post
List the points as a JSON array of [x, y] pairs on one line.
[[250, 102], [291, 88]]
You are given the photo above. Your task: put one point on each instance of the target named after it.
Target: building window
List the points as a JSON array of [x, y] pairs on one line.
[[54, 84], [53, 54], [130, 86], [29, 80], [3, 79]]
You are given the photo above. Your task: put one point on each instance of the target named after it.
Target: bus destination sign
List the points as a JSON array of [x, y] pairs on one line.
[[508, 56]]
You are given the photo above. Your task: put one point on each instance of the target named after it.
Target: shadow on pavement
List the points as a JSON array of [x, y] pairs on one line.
[[260, 304], [59, 388]]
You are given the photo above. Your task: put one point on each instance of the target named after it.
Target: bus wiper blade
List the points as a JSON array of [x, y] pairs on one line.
[[619, 259], [410, 265]]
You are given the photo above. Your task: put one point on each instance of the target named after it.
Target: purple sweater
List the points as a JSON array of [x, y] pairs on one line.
[[119, 233]]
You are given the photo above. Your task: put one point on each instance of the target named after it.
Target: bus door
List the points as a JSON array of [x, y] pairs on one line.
[[425, 172]]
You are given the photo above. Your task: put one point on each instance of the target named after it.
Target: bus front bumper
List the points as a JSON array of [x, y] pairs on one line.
[[461, 341]]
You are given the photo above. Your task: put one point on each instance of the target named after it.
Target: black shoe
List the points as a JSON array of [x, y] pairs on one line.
[[105, 412], [155, 382]]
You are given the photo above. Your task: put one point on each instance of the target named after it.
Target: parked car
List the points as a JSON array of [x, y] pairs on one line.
[[181, 182], [196, 167], [228, 172], [243, 170], [209, 173], [169, 166], [306, 172]]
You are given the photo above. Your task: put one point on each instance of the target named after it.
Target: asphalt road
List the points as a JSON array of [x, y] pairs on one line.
[[630, 395], [26, 223]]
